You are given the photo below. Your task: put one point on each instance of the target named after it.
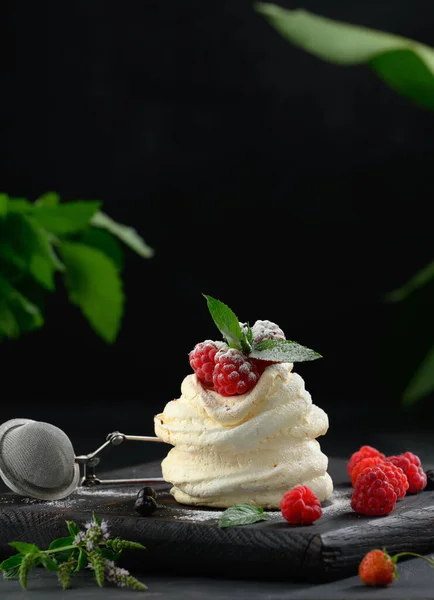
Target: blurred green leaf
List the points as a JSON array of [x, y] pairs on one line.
[[94, 284], [420, 279], [127, 235], [63, 219], [48, 199], [104, 241], [17, 313], [20, 205], [25, 245], [404, 64], [3, 205], [422, 382]]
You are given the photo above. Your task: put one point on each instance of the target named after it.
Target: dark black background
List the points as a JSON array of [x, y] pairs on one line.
[[292, 190]]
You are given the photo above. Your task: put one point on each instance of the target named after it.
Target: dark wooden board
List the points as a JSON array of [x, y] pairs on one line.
[[187, 540]]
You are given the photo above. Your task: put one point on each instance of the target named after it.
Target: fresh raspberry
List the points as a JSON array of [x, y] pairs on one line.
[[261, 365], [233, 373], [370, 461], [373, 493], [264, 330], [363, 452], [397, 478], [377, 568], [267, 330], [202, 360], [300, 506], [411, 465]]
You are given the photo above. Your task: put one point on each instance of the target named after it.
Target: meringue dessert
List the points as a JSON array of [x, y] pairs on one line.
[[244, 428]]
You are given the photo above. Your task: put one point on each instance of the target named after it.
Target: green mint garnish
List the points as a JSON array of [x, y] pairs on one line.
[[242, 514], [241, 337], [228, 324], [90, 547], [282, 351]]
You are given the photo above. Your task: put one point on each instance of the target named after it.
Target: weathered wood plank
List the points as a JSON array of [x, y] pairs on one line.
[[187, 540]]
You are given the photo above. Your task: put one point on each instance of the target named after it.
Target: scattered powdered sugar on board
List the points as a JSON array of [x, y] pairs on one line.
[[84, 491], [340, 502], [81, 494], [201, 516], [185, 514]]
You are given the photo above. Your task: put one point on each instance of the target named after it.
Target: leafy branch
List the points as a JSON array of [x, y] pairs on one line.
[[45, 240], [406, 66], [90, 548]]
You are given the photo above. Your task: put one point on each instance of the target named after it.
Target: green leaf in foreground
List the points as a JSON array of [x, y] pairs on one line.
[[282, 351], [420, 279], [228, 324], [404, 64], [90, 545], [94, 284], [127, 235], [422, 383], [242, 514]]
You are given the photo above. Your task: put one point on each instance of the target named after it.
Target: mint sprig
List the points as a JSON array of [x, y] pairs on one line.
[[48, 241], [90, 547], [228, 324], [241, 338], [282, 351], [241, 514]]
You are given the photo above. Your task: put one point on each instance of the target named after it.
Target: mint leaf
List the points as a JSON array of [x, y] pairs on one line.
[[82, 560], [73, 528], [282, 351], [127, 235], [48, 562], [104, 241], [242, 514], [94, 284], [11, 563], [63, 219], [96, 519], [228, 324], [249, 336], [24, 547], [60, 543], [110, 554]]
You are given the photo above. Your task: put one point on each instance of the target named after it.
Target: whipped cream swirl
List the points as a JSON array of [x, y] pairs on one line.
[[250, 448]]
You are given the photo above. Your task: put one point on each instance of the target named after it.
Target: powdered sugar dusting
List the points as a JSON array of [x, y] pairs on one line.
[[201, 516], [105, 492], [81, 494], [340, 503]]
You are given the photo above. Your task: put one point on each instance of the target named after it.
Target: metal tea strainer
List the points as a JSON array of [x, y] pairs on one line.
[[37, 460]]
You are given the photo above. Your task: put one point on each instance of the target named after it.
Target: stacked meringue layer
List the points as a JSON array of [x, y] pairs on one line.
[[250, 448]]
